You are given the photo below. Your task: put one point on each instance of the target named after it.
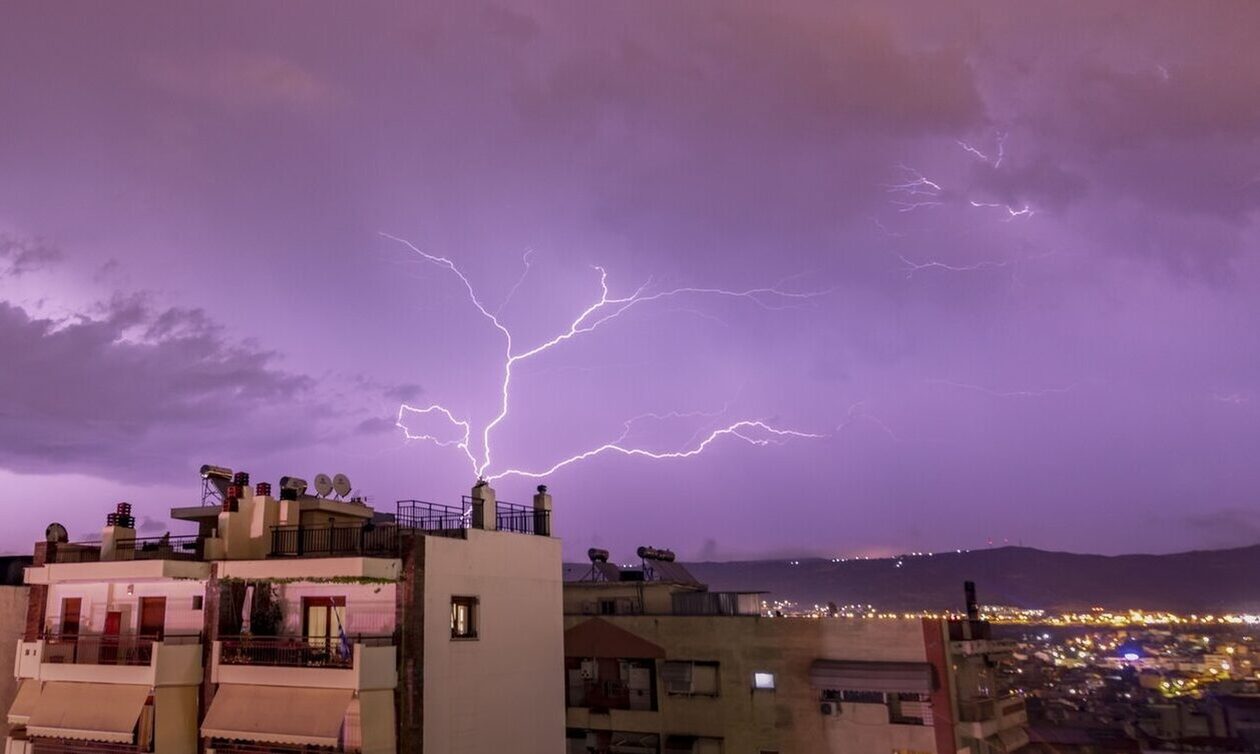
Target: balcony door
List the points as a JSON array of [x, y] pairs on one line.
[[71, 612], [324, 619], [152, 617]]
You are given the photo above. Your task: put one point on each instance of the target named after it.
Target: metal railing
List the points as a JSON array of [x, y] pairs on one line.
[[522, 519], [333, 540], [295, 651], [76, 552], [189, 547], [433, 518], [107, 649]]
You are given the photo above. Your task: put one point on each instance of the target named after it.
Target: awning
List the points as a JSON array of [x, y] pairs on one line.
[[885, 677], [87, 711], [277, 714], [24, 702], [601, 639]]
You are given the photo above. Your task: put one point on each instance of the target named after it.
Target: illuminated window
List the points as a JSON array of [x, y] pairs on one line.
[[463, 617], [763, 680]]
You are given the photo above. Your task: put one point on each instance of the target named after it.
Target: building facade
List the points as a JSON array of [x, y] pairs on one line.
[[655, 663], [297, 624]]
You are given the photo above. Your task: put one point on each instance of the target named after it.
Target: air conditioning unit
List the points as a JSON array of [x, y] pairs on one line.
[[829, 708]]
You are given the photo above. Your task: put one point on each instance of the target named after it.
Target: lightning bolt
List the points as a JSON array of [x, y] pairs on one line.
[[605, 309]]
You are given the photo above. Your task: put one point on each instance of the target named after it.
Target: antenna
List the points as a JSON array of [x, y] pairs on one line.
[[323, 485], [341, 485]]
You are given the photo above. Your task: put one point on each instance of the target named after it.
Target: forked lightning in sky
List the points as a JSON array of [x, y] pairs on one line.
[[603, 310]]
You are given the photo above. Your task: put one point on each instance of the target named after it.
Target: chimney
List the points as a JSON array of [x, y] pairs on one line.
[[973, 609], [484, 507], [118, 538], [542, 512]]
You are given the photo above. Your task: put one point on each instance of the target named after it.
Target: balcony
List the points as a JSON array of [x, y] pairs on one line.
[[136, 548], [434, 519], [359, 662], [984, 718], [334, 541], [295, 651], [173, 660]]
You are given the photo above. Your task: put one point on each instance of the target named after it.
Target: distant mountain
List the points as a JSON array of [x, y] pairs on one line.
[[1199, 581]]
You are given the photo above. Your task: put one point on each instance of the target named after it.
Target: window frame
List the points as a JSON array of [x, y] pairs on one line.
[[473, 606]]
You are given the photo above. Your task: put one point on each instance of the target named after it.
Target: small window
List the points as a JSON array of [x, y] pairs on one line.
[[463, 617], [763, 680], [198, 602]]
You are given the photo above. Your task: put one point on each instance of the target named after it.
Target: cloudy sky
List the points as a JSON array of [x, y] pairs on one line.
[[1007, 263]]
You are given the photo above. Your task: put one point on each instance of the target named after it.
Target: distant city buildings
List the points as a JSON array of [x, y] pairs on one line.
[[656, 662]]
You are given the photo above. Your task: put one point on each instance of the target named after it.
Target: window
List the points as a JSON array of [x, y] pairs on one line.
[[324, 621], [198, 602], [695, 678], [463, 617], [763, 680]]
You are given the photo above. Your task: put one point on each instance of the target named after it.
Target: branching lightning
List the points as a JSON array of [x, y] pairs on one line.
[[605, 309]]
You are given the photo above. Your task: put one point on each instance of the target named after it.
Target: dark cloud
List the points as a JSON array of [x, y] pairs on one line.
[[136, 387]]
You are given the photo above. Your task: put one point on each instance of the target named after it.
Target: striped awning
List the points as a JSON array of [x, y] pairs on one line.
[[861, 675], [277, 714], [87, 711]]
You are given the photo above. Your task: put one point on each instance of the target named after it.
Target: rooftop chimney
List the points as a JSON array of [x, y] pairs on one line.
[[542, 512], [484, 507]]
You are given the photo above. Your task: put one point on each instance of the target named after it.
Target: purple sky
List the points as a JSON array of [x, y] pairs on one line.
[[1033, 227]]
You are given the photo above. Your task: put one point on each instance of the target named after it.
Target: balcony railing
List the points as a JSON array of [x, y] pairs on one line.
[[522, 519], [77, 552], [334, 540], [107, 649], [434, 518], [295, 651], [160, 548]]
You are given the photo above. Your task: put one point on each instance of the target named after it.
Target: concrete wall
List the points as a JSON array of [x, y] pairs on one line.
[[12, 620], [503, 691], [786, 719]]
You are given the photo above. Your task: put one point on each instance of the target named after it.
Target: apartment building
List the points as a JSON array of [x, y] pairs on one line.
[[656, 663], [12, 613], [297, 623]]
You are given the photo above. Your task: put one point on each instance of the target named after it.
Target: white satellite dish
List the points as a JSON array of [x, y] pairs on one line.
[[323, 484], [56, 533], [341, 484]]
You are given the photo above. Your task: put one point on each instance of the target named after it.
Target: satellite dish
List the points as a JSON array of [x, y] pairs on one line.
[[341, 485], [56, 533], [323, 484]]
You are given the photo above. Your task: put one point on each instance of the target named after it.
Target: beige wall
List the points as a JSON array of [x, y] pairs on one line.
[[503, 691], [12, 624], [786, 719]]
